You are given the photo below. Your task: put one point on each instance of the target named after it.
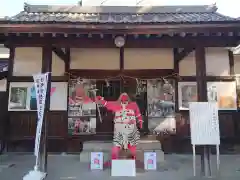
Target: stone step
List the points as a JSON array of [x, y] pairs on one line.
[[105, 147]]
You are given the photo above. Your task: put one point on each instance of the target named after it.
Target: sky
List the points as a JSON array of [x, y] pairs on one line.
[[226, 7]]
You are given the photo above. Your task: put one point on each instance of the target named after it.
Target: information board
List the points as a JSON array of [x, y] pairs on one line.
[[204, 123]]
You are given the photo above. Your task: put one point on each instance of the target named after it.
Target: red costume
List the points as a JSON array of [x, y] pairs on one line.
[[127, 116]]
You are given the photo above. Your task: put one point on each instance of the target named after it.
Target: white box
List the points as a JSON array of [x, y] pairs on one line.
[[122, 167]]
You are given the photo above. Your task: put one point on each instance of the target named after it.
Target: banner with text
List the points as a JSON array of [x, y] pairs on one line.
[[40, 82]]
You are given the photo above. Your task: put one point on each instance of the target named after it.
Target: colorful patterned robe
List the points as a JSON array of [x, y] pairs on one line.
[[125, 123]]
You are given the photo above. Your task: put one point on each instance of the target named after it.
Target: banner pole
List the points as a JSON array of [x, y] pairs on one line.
[[194, 160], [46, 110]]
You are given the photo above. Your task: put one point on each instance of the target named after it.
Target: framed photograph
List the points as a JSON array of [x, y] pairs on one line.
[[19, 99], [224, 93], [22, 96], [187, 92], [81, 125]]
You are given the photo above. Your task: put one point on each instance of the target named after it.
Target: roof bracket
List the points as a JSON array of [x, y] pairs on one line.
[[183, 53], [60, 53]]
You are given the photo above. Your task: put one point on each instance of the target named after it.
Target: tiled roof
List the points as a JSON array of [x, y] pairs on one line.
[[119, 14]]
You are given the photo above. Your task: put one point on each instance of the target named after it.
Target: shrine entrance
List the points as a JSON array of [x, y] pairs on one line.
[[111, 92]]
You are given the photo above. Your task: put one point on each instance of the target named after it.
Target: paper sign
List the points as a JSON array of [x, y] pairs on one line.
[[40, 82], [150, 162], [204, 123], [96, 160]]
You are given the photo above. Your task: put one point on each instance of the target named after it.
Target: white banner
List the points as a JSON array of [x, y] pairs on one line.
[[40, 82], [204, 123]]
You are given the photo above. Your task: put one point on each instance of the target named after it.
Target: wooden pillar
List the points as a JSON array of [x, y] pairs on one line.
[[121, 66], [67, 60], [176, 70], [231, 62], [202, 97], [9, 75], [201, 74], [232, 73], [46, 67], [67, 68]]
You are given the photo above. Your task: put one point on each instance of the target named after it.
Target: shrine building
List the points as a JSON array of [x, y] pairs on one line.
[[183, 53]]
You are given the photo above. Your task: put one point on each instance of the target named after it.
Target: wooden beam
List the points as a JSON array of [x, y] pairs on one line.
[[59, 52], [184, 53], [140, 73], [176, 70], [153, 42], [121, 58], [115, 28], [68, 59]]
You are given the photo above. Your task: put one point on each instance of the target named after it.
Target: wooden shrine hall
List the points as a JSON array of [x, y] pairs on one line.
[[115, 48]]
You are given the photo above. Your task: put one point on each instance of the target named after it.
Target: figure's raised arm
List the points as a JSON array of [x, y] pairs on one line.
[[110, 105]]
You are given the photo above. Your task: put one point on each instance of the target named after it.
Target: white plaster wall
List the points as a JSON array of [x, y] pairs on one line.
[[58, 66], [187, 66], [237, 64], [141, 58], [28, 61], [97, 58], [217, 63], [3, 85], [4, 52]]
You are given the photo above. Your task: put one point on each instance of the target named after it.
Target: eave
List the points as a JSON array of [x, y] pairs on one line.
[[119, 28]]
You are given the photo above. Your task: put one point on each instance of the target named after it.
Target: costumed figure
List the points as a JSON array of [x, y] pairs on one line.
[[126, 121]]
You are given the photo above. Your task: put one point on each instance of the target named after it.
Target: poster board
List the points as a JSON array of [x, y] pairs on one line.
[[96, 161], [204, 123], [150, 161], [22, 96], [224, 93]]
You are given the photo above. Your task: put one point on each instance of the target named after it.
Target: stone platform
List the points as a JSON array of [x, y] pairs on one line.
[[105, 147]]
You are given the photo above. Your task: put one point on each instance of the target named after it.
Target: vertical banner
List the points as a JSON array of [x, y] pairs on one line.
[[150, 162], [40, 82], [96, 160]]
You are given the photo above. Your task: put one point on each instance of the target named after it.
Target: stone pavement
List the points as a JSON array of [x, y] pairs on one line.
[[68, 167]]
